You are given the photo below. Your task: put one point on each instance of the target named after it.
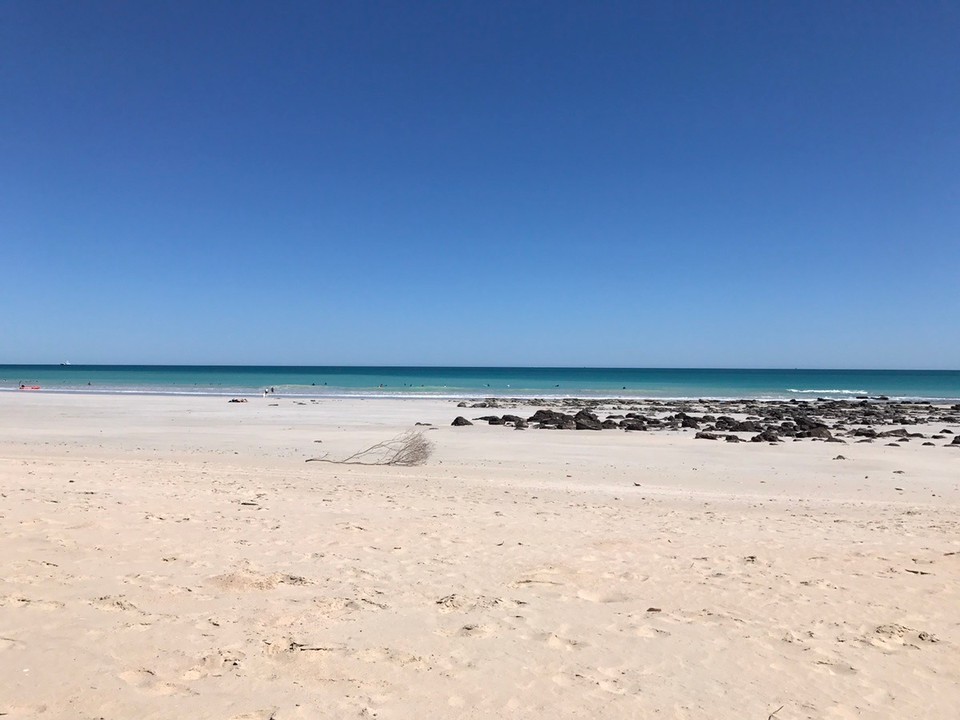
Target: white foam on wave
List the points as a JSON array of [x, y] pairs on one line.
[[833, 391]]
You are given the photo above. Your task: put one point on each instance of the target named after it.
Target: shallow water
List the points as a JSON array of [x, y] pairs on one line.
[[485, 381]]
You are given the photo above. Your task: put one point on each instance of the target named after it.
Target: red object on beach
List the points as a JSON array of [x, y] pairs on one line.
[[29, 387]]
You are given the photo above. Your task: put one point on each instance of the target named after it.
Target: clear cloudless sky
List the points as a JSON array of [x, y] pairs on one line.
[[729, 184]]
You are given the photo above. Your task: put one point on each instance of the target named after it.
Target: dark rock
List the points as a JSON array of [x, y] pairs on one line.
[[705, 436], [818, 432], [808, 423], [550, 417], [460, 421], [768, 435]]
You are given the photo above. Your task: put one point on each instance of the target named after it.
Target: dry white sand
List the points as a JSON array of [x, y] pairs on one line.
[[176, 558]]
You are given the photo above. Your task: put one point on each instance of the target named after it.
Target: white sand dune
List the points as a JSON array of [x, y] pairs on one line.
[[177, 558]]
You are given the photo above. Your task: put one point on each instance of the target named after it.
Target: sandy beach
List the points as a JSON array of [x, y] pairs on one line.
[[172, 557]]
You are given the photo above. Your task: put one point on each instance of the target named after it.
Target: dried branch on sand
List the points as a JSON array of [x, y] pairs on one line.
[[406, 449]]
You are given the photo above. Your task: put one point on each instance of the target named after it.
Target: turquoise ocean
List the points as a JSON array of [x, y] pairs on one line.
[[470, 382]]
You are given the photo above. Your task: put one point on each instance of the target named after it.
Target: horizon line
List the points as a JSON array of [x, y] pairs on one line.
[[480, 367]]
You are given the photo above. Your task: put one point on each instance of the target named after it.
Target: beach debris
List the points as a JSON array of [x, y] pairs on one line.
[[407, 449], [237, 400], [839, 457]]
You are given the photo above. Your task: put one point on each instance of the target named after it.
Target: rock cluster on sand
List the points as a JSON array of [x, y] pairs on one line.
[[760, 420]]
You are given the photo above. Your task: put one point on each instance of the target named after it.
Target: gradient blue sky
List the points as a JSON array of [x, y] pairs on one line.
[[730, 184]]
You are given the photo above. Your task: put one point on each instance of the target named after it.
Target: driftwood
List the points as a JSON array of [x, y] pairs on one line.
[[407, 449]]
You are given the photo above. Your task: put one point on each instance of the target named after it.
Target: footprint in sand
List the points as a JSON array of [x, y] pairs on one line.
[[837, 668], [147, 681], [257, 715], [116, 603], [600, 596], [469, 630], [247, 580], [215, 664], [7, 643], [463, 603], [558, 642], [34, 604]]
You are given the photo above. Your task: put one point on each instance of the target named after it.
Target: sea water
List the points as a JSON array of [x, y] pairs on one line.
[[464, 382]]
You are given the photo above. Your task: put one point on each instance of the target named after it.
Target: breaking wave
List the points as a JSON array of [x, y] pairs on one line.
[[835, 391]]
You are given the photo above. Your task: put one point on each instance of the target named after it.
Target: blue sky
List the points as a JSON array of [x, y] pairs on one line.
[[471, 183]]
